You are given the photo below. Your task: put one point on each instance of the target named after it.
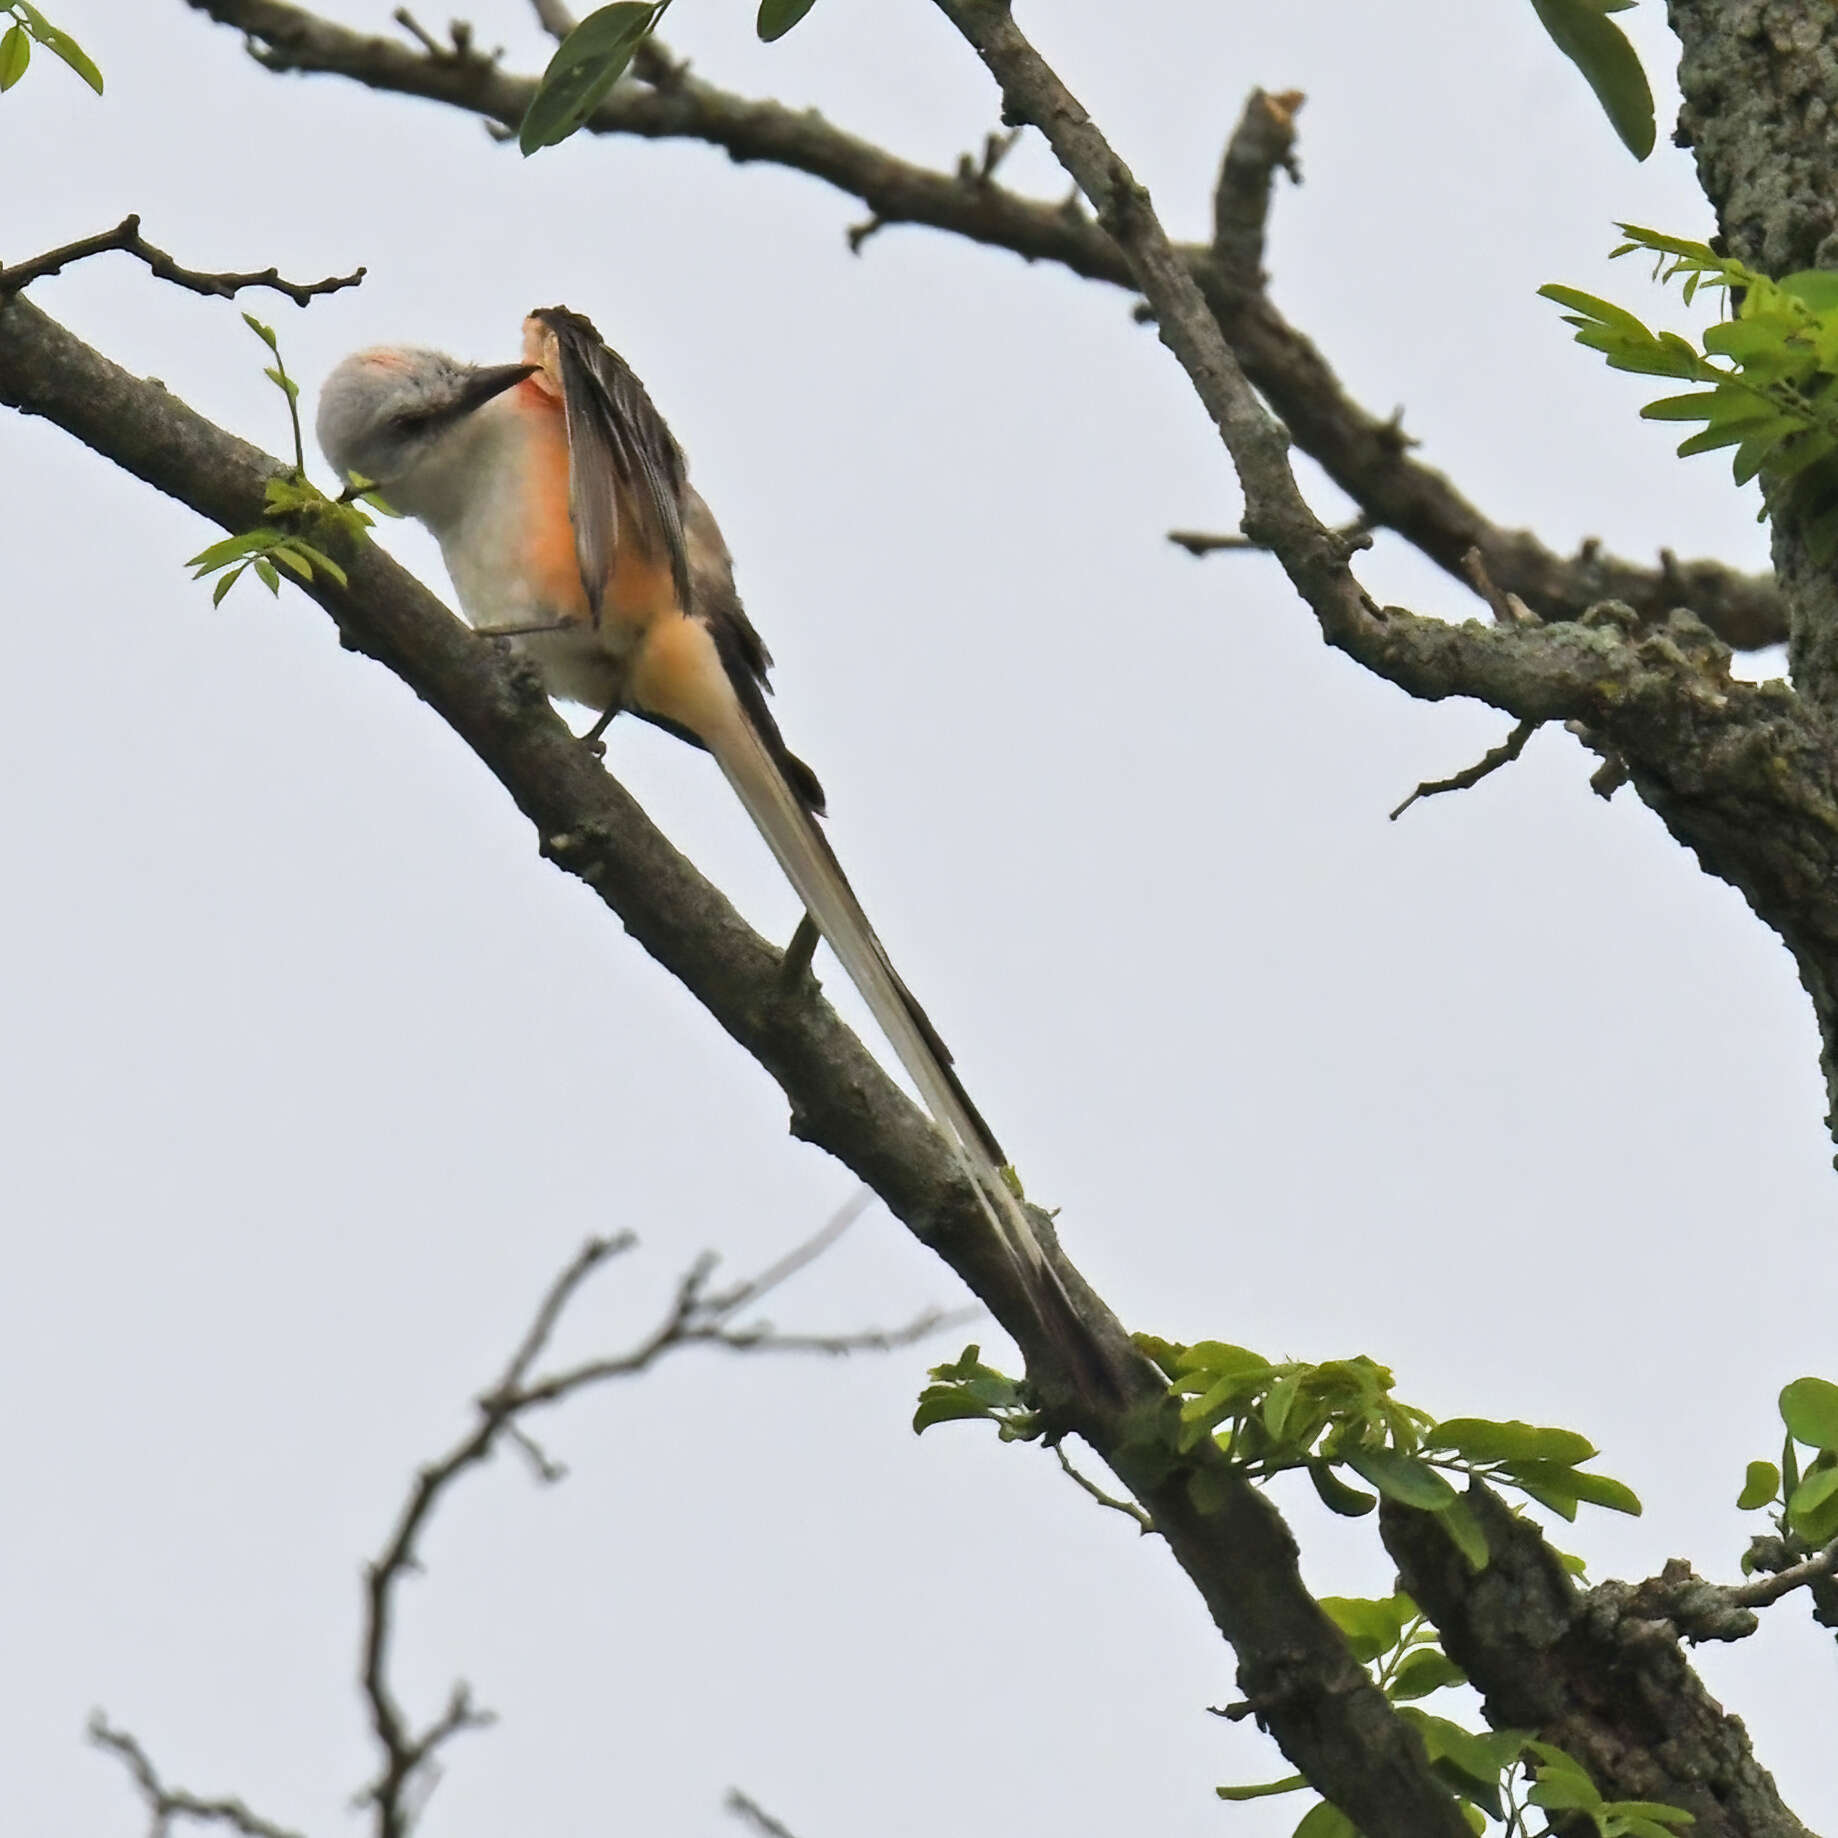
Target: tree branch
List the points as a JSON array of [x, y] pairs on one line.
[[1366, 455], [1238, 1553], [698, 1316], [165, 1804], [1586, 1671], [750, 1812], [1491, 761], [1701, 1610], [126, 237]]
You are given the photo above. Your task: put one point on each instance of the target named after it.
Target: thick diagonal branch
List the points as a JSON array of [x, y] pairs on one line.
[[1365, 454], [1238, 1553]]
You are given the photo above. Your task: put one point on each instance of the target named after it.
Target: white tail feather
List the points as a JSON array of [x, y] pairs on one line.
[[792, 835]]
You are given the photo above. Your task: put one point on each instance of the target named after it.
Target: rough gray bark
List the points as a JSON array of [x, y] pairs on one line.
[[1611, 1687], [1760, 85]]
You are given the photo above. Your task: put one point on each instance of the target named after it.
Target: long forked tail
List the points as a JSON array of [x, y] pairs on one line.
[[810, 864]]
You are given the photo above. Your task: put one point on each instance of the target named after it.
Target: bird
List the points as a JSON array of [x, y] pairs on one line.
[[564, 513]]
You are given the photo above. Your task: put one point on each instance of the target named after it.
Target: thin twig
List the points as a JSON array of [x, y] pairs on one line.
[[554, 18], [1263, 142], [1507, 608], [1128, 1508], [164, 1804], [1764, 1590], [752, 1813], [126, 237], [697, 1316], [1356, 535], [1491, 761]]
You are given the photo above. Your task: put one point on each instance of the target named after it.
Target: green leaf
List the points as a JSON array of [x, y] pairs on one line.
[[1610, 65], [1277, 1405], [267, 574], [1464, 1529], [1809, 1408], [586, 64], [1760, 1484], [1471, 1764], [319, 559], [1325, 1820], [1166, 1353], [1336, 1495], [1591, 306], [1652, 1810], [283, 382], [1422, 1672], [263, 332], [1402, 1478], [15, 55], [777, 17], [231, 547], [289, 557], [228, 581], [1808, 1507], [1477, 1820], [1572, 1484], [61, 44], [1700, 405], [1660, 243], [1480, 1440], [1264, 1790], [1371, 1626], [945, 1404], [1813, 287], [1213, 1358]]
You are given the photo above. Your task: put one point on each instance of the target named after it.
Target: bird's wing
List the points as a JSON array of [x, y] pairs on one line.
[[622, 459]]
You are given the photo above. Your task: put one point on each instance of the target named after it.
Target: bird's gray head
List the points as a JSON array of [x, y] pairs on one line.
[[383, 412]]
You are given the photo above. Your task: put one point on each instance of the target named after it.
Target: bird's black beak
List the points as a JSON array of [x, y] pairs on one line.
[[484, 385]]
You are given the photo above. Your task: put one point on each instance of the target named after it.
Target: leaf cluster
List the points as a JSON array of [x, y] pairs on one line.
[[30, 27], [1341, 1417], [1333, 1420], [1764, 380], [294, 506], [1804, 1496], [1394, 1640]]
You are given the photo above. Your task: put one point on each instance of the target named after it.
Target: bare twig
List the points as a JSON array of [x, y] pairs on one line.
[[697, 1316], [554, 18], [1263, 142], [1356, 535], [750, 1812], [1128, 1508], [1491, 761], [126, 237], [1768, 1589], [165, 1804], [1509, 609]]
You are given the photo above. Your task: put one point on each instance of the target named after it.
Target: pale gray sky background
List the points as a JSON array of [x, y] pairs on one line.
[[312, 1073]]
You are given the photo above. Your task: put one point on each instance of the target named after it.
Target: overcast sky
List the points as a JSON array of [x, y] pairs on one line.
[[312, 1074]]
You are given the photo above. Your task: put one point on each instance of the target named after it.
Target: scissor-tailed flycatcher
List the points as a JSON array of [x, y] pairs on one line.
[[562, 508]]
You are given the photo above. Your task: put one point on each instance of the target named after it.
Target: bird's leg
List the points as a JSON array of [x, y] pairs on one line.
[[795, 965], [592, 736], [522, 631]]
